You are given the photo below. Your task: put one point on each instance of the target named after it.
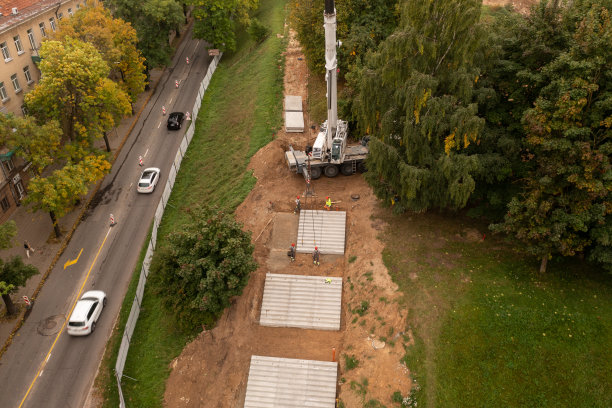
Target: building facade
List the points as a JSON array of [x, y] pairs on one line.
[[23, 25]]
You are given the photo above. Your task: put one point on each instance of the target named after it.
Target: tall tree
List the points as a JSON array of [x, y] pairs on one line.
[[13, 274], [8, 230], [565, 205], [153, 21], [36, 143], [215, 20], [58, 193], [114, 39], [415, 97], [204, 265], [75, 90]]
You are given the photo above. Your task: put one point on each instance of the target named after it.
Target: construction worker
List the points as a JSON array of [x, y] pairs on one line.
[[328, 280], [298, 205], [315, 257], [291, 252], [328, 203]]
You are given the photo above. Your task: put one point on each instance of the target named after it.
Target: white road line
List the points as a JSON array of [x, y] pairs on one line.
[[131, 184], [48, 357], [41, 371], [145, 155], [170, 102], [159, 125]]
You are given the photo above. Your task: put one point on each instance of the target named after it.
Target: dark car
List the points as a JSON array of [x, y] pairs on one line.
[[175, 120]]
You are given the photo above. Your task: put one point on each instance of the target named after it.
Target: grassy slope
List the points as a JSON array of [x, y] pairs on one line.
[[491, 332], [240, 112]]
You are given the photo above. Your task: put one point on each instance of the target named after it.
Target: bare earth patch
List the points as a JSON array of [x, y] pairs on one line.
[[212, 371]]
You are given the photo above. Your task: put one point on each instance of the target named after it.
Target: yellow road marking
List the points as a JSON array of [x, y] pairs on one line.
[[42, 365], [73, 261]]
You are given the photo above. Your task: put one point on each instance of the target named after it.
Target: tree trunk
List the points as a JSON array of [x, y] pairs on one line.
[[10, 306], [544, 263], [56, 228], [106, 141]]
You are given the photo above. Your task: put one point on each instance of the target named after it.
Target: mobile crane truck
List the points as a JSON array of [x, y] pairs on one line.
[[329, 154]]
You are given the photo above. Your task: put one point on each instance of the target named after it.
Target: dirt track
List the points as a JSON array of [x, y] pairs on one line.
[[212, 371]]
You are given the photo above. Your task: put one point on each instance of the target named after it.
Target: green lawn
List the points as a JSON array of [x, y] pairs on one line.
[[490, 331], [240, 113]]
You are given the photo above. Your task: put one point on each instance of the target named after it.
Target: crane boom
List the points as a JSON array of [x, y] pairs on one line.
[[331, 66]]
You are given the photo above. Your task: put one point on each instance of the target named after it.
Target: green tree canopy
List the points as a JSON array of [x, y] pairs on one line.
[[8, 230], [415, 98], [204, 265], [75, 90], [215, 20], [153, 21], [13, 275], [35, 143], [58, 193], [565, 204], [114, 39]]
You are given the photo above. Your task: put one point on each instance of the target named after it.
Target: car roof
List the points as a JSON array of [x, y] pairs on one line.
[[79, 314]]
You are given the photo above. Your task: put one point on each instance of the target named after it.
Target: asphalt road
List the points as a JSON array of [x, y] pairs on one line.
[[44, 366]]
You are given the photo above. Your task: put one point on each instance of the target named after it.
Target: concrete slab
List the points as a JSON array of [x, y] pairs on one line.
[[290, 383], [323, 229], [293, 103], [306, 302], [294, 122]]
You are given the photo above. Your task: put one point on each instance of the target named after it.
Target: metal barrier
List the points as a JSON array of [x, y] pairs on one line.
[[159, 213]]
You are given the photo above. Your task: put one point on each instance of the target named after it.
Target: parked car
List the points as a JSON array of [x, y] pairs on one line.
[[175, 120], [148, 180], [86, 313]]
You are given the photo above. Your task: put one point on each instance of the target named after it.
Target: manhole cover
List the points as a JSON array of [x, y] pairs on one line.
[[50, 325], [355, 197]]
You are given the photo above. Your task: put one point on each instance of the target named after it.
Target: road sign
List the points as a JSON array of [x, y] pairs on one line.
[[213, 52], [26, 300]]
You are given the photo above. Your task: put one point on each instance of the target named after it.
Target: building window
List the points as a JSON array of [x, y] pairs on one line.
[[52, 23], [5, 52], [15, 82], [60, 16], [31, 38], [3, 93], [28, 76], [18, 45], [5, 204], [42, 29], [70, 12], [20, 189], [8, 165]]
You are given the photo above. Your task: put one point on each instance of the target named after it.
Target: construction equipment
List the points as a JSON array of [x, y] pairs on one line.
[[329, 154]]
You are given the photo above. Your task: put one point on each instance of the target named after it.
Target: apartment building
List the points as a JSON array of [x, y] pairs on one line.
[[23, 25]]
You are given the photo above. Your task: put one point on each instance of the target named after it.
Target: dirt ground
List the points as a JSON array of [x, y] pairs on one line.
[[212, 371]]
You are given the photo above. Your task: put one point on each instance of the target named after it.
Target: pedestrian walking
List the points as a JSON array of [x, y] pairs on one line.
[[291, 252], [315, 257], [328, 203], [28, 248], [298, 205]]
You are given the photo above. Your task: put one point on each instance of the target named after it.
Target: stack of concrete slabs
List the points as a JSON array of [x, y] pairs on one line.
[[307, 302], [323, 229], [290, 383], [293, 103], [294, 122]]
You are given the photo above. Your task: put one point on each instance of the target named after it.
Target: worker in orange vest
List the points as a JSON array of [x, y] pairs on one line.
[[328, 203]]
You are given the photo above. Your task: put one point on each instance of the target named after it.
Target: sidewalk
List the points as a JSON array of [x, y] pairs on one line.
[[38, 229]]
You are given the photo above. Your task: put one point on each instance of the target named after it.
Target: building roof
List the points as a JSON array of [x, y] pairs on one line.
[[26, 9]]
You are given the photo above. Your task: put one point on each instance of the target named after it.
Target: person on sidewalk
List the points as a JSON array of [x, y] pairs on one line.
[[28, 248], [328, 203], [291, 253], [298, 206], [315, 257]]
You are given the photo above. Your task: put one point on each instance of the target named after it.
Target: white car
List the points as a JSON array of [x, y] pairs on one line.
[[148, 180], [86, 313]]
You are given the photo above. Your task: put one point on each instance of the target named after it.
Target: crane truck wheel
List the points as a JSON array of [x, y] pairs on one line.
[[331, 170], [315, 173], [347, 169]]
